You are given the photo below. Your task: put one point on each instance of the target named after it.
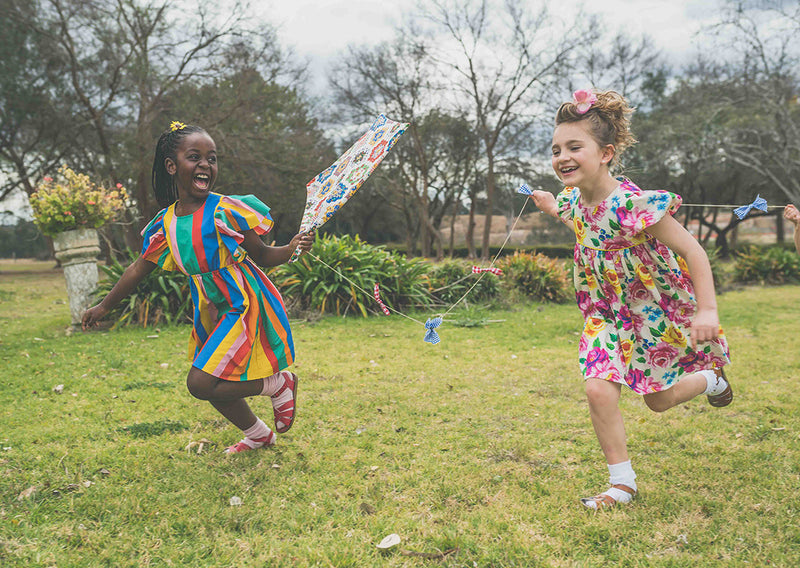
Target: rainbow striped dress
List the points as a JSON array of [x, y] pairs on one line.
[[251, 338]]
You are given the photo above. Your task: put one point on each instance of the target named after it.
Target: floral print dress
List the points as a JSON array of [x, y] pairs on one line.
[[635, 294]]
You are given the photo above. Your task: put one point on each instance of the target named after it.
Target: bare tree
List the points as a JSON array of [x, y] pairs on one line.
[[506, 64], [399, 79], [765, 68]]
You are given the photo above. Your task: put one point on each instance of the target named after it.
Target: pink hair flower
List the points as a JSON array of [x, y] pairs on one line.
[[583, 100]]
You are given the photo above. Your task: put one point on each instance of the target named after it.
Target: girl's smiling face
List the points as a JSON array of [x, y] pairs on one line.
[[194, 168], [578, 159]]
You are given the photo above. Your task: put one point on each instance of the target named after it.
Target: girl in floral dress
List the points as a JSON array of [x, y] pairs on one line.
[[241, 343], [649, 325]]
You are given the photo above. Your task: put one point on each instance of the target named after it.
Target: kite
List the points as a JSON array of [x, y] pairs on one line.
[[331, 189]]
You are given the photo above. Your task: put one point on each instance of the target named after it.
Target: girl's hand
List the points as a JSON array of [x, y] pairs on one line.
[[92, 316], [705, 327], [790, 213], [546, 202], [303, 241]]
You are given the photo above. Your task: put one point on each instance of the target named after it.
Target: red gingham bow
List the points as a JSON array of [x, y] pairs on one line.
[[378, 299], [495, 271]]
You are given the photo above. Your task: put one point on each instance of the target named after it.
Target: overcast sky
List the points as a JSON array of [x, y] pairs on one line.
[[321, 29]]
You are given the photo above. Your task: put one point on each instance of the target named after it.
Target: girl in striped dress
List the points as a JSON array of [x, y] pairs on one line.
[[241, 343]]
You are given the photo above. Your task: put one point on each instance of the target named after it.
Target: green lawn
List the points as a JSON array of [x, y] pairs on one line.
[[482, 444]]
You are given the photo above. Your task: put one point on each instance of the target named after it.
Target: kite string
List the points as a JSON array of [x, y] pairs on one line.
[[494, 260], [508, 236], [311, 254], [723, 206]]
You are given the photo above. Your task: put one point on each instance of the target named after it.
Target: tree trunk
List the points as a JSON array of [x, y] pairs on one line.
[[453, 229], [487, 227], [471, 253]]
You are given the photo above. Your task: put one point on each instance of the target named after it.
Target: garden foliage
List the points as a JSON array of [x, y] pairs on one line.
[[162, 297], [451, 279], [403, 282], [536, 276], [312, 285], [774, 265]]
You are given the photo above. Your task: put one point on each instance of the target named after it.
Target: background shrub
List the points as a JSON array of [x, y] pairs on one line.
[[775, 265], [162, 297], [450, 279], [537, 277], [315, 286]]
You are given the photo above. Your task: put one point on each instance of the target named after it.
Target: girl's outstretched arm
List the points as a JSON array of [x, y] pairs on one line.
[[127, 283], [264, 255], [705, 324], [546, 202]]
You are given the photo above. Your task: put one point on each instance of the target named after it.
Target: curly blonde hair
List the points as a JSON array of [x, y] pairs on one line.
[[609, 121]]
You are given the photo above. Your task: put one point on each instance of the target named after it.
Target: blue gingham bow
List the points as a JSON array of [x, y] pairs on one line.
[[524, 189], [759, 203], [430, 335]]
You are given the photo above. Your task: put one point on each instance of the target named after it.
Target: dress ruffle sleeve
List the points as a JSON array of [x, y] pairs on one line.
[[236, 214], [155, 247], [638, 210], [565, 201]]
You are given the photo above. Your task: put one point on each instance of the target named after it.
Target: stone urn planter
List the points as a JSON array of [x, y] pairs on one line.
[[77, 252]]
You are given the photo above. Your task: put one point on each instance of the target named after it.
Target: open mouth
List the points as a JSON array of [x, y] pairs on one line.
[[202, 181], [569, 170]]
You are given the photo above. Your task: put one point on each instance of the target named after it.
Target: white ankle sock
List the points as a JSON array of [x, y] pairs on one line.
[[273, 383], [258, 431], [618, 474], [714, 384], [622, 474]]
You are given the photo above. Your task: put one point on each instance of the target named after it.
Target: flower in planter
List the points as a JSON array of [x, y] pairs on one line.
[[73, 201]]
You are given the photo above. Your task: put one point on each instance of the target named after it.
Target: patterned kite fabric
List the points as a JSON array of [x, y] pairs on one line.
[[331, 189]]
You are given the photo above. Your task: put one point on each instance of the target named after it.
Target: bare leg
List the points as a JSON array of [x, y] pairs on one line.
[[686, 389], [226, 396], [607, 420], [205, 386], [237, 411]]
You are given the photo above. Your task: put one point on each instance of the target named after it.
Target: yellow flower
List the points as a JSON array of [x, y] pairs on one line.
[[580, 230], [613, 279], [644, 276], [590, 279], [674, 336], [627, 350], [594, 326], [683, 266], [175, 125]]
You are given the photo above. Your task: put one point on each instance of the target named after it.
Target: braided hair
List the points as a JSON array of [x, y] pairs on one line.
[[164, 187]]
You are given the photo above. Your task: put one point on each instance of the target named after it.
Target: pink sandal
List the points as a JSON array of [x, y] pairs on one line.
[[284, 413], [243, 446]]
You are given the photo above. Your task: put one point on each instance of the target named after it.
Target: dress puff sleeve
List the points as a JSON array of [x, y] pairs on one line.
[[155, 247], [637, 209], [565, 202], [236, 214]]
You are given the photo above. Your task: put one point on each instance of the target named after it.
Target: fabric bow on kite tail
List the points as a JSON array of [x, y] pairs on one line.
[[331, 189]]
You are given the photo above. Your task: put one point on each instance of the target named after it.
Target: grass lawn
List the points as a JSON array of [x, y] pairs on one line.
[[481, 444]]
